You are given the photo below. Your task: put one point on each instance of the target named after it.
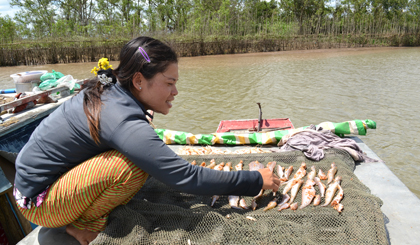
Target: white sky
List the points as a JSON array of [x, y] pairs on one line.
[[5, 9]]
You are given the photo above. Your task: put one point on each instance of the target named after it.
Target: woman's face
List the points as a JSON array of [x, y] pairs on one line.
[[157, 93]]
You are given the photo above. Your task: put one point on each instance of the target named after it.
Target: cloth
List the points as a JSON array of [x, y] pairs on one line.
[[62, 141], [85, 195], [312, 140]]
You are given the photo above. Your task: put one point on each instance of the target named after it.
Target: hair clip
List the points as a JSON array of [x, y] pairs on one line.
[[145, 56], [104, 79]]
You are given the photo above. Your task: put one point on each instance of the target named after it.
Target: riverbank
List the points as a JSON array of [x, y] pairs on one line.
[[58, 51]]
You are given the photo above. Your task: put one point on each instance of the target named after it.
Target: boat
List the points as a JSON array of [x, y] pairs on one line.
[[401, 217]]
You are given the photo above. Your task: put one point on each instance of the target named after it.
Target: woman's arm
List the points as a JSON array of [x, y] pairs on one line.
[[139, 143]]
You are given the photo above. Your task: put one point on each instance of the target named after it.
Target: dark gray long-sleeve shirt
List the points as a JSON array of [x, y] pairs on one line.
[[62, 141]]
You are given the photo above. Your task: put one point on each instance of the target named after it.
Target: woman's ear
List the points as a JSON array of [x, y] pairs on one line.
[[138, 81]]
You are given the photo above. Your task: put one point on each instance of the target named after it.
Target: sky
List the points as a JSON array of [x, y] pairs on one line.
[[5, 8]]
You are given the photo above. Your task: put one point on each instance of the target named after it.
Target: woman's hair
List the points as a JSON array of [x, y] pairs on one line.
[[132, 60]]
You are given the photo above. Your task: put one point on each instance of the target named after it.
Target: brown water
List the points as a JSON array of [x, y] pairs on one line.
[[309, 87]]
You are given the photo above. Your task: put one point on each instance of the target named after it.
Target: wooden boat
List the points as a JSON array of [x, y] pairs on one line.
[[402, 217]]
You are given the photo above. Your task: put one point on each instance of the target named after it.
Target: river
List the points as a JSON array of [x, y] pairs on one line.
[[309, 87]]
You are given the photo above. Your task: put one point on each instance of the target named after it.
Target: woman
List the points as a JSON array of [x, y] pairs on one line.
[[95, 151]]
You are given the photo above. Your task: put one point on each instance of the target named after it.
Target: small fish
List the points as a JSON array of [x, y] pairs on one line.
[[331, 172], [287, 173], [239, 166], [242, 204], [203, 164], [339, 207], [219, 166], [308, 193], [301, 172], [194, 163], [271, 205], [320, 185], [280, 171], [339, 196], [227, 167], [317, 200], [211, 165], [234, 202], [322, 175], [289, 185], [251, 218], [284, 199], [271, 165], [294, 206], [295, 190], [255, 199], [255, 166], [331, 190], [312, 174], [283, 206], [214, 199]]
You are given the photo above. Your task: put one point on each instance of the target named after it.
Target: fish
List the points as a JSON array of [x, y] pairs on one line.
[[317, 200], [312, 174], [301, 172], [283, 206], [284, 199], [287, 173], [294, 206], [234, 200], [322, 175], [271, 165], [280, 171], [295, 190], [289, 185], [331, 190], [255, 166], [320, 185], [219, 167], [203, 164], [255, 199], [211, 165], [339, 196], [227, 167], [308, 193], [239, 166], [271, 205], [194, 163], [242, 204], [331, 173], [339, 207]]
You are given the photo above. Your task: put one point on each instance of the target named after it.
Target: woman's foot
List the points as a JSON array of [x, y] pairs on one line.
[[83, 236]]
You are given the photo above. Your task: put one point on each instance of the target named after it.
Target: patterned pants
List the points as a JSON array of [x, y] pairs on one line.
[[85, 195]]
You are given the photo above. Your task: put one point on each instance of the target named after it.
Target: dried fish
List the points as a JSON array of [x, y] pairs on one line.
[[301, 172], [308, 193], [280, 171], [203, 164], [289, 185], [284, 199], [194, 163], [317, 200], [255, 166], [271, 205], [287, 173], [339, 196], [320, 185], [331, 190], [322, 175], [271, 165], [295, 190], [331, 172], [283, 206], [251, 218], [294, 206], [234, 200], [242, 204], [339, 207], [312, 174]]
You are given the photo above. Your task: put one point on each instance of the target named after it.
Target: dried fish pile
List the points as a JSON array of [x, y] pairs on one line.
[[283, 200], [208, 150]]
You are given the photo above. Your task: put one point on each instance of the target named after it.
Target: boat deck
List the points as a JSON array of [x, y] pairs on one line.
[[400, 206]]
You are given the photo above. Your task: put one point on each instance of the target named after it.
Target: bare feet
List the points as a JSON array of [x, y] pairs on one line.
[[83, 236]]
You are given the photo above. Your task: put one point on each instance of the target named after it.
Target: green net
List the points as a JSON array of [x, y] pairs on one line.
[[161, 215]]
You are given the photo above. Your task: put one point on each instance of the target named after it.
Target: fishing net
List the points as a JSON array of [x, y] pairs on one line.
[[161, 215]]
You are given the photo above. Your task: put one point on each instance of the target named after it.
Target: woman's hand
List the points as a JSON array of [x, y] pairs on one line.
[[270, 180]]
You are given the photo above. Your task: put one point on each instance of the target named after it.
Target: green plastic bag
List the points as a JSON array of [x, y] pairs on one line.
[[49, 80]]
